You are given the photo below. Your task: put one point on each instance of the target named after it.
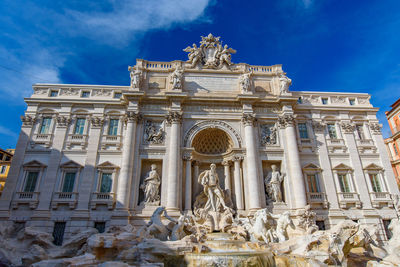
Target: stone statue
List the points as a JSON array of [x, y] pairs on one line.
[[176, 78], [260, 228], [273, 184], [195, 55], [155, 226], [285, 82], [307, 220], [210, 182], [154, 135], [151, 185], [136, 77], [282, 223], [244, 82], [224, 55]]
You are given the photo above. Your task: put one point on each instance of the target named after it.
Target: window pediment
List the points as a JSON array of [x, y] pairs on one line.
[[373, 167], [107, 166], [343, 167], [34, 164], [71, 165], [311, 167]]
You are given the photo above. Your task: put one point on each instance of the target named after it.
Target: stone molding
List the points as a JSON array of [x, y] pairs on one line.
[[347, 127], [249, 119], [237, 158], [28, 121], [226, 163], [191, 133]]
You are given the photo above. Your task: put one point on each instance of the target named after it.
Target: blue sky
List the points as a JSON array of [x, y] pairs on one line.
[[324, 45]]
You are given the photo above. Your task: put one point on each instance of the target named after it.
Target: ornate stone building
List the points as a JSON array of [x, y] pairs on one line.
[[393, 142], [95, 156]]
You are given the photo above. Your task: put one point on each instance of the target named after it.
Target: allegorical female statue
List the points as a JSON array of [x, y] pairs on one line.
[[151, 185], [273, 184]]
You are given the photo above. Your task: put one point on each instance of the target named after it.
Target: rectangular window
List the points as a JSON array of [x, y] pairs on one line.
[[325, 101], [31, 180], [106, 183], [113, 127], [386, 227], [79, 126], [352, 102], [85, 94], [58, 233], [313, 183], [376, 187], [53, 93], [344, 183], [395, 149], [100, 226], [321, 225], [3, 169], [299, 101], [332, 131], [45, 127], [69, 181], [303, 131], [117, 95], [360, 132]]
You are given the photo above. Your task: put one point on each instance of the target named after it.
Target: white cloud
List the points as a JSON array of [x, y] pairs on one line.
[[129, 18], [307, 3], [8, 132]]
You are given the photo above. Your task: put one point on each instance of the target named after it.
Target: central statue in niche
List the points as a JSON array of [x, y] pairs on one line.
[[212, 207]]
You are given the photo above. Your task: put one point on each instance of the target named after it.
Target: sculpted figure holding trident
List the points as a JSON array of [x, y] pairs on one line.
[[210, 181]]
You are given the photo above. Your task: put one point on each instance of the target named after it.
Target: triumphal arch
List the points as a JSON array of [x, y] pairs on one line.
[[192, 135]]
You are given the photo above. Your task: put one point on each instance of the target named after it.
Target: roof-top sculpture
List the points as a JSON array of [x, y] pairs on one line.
[[210, 54]]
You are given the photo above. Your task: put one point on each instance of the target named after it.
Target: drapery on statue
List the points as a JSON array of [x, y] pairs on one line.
[[285, 82], [273, 184], [151, 185], [244, 82], [176, 78], [210, 181], [136, 77]]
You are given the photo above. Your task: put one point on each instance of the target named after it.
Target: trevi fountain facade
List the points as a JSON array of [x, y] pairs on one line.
[[202, 162]]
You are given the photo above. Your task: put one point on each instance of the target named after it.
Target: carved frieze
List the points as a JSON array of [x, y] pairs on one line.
[[268, 134], [338, 99], [40, 91], [248, 119], [375, 128], [347, 127], [69, 91], [101, 92], [28, 120], [210, 54], [154, 133]]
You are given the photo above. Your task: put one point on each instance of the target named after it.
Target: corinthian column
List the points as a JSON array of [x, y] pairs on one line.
[[252, 162], [124, 182], [175, 119], [296, 176]]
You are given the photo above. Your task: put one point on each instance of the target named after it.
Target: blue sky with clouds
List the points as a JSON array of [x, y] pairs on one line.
[[324, 45]]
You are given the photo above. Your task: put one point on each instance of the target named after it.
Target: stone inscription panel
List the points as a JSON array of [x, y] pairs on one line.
[[208, 84]]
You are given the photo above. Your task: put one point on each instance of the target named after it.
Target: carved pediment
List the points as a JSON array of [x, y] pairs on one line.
[[311, 166], [34, 164], [373, 167], [71, 164], [107, 165], [342, 166]]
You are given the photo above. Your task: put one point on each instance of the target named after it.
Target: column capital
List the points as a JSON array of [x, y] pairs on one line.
[[286, 120], [226, 162], [174, 117], [318, 126], [249, 119], [375, 128], [347, 127], [195, 162], [63, 121], [187, 157], [237, 158], [28, 121], [133, 116], [97, 121]]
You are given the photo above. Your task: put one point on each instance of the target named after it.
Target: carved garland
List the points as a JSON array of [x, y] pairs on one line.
[[215, 124], [28, 120], [286, 120], [375, 128], [347, 127]]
